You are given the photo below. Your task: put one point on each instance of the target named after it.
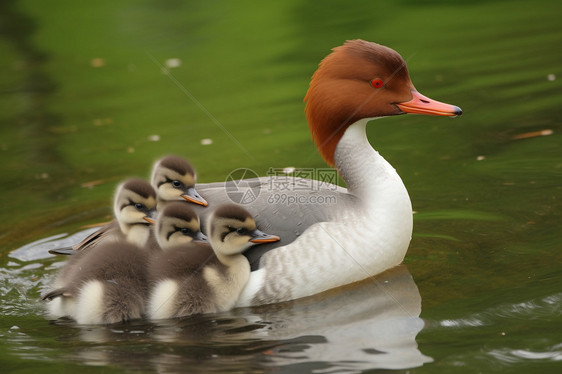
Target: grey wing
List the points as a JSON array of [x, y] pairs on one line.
[[59, 292], [278, 208], [98, 236], [95, 238]]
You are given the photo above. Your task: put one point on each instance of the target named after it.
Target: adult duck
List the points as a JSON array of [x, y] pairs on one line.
[[350, 233]]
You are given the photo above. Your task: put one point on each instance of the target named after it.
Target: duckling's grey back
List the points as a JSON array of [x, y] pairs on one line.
[[108, 285]]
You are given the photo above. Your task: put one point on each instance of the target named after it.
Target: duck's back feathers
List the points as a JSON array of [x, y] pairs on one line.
[[276, 209]]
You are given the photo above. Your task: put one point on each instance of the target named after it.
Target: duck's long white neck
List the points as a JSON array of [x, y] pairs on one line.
[[367, 174]]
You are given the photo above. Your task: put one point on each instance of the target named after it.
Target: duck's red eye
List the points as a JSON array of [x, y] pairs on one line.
[[377, 83]]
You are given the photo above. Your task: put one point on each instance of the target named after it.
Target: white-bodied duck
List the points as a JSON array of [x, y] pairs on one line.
[[358, 231]]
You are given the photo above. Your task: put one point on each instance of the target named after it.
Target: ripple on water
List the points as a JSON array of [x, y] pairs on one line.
[[39, 249], [547, 306], [513, 356]]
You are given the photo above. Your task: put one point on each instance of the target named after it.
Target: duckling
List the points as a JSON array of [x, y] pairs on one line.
[[106, 285], [134, 203], [199, 279], [173, 178], [178, 225], [133, 206]]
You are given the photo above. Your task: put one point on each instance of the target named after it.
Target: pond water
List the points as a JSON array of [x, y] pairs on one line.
[[92, 93]]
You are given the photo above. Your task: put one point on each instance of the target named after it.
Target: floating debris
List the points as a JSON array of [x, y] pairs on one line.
[[131, 150], [551, 77], [154, 138], [206, 141], [102, 121], [97, 62], [533, 134], [173, 63], [91, 184], [480, 158], [42, 176]]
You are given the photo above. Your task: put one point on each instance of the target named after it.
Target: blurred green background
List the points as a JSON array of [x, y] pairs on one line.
[[85, 102]]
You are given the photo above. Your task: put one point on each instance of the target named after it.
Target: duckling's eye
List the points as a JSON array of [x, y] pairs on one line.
[[242, 231], [139, 206], [377, 83], [185, 231], [176, 183]]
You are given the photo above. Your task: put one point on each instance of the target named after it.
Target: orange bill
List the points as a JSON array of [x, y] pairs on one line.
[[421, 104]]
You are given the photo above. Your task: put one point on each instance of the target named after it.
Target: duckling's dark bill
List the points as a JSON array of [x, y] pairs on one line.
[[192, 196], [200, 238]]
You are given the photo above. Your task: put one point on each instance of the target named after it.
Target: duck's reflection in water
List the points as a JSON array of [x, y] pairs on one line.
[[367, 325]]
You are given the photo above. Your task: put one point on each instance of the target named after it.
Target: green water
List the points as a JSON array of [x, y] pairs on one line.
[[84, 103]]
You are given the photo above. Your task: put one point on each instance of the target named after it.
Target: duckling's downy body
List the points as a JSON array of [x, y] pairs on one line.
[[107, 285], [197, 279], [77, 285]]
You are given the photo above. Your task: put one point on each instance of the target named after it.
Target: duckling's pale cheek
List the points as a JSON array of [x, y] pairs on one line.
[[236, 244], [132, 215], [179, 239], [167, 192]]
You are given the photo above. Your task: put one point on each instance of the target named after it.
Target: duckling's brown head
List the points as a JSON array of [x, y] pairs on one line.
[[232, 230], [174, 179], [178, 225], [135, 202]]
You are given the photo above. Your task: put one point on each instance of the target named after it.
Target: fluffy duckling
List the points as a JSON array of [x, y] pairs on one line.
[[173, 178], [178, 225], [106, 285], [197, 279], [133, 206], [134, 203]]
